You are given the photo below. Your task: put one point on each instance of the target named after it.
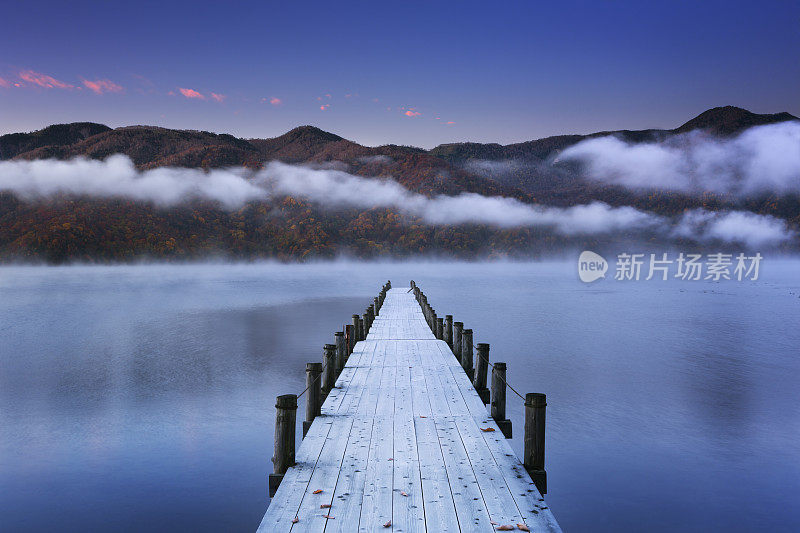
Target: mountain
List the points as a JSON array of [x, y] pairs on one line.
[[728, 120], [87, 229], [58, 135]]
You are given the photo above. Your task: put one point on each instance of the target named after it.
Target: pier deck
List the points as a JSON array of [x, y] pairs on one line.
[[401, 445]]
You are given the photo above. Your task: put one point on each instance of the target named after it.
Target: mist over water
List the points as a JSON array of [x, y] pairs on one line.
[[141, 397]]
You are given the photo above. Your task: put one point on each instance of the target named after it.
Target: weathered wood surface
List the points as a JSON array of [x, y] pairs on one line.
[[399, 441]]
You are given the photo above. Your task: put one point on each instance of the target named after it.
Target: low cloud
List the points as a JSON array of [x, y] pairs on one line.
[[103, 86], [191, 93], [43, 80], [117, 177], [4, 83], [218, 97], [762, 159], [273, 100], [375, 159]]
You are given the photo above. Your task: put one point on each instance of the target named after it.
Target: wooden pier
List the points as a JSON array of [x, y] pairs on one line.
[[403, 441]]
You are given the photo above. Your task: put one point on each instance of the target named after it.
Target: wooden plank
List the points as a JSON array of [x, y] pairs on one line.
[[470, 507], [349, 494], [326, 473], [407, 506], [376, 506]]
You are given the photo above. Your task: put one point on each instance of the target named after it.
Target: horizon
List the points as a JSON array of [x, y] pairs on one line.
[[380, 144], [376, 75]]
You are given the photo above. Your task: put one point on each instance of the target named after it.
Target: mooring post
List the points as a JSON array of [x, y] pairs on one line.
[[433, 322], [364, 325], [341, 351], [351, 342], [313, 394], [458, 327], [482, 371], [535, 404], [448, 330], [466, 353], [329, 373], [440, 328], [498, 405], [285, 420], [356, 330], [376, 304]]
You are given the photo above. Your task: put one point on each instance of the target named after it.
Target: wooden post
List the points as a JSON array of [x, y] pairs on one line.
[[351, 342], [466, 353], [440, 328], [482, 371], [448, 330], [313, 394], [329, 373], [498, 405], [356, 330], [364, 326], [535, 403], [432, 323], [376, 304], [458, 327], [341, 352], [285, 419]]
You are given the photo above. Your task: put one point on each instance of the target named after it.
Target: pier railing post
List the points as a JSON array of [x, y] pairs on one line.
[[356, 330], [440, 328], [458, 327], [348, 332], [329, 373], [432, 323], [448, 330], [341, 351], [533, 455], [498, 405], [482, 371], [364, 326], [313, 394], [376, 304], [466, 352], [285, 420]]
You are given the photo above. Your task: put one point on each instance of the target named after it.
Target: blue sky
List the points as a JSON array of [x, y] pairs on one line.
[[408, 73]]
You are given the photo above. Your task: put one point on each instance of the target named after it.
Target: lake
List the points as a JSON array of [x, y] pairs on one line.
[[142, 397]]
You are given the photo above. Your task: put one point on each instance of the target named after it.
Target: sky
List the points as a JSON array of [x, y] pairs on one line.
[[418, 73]]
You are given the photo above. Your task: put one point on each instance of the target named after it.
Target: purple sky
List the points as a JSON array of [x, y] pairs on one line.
[[408, 73]]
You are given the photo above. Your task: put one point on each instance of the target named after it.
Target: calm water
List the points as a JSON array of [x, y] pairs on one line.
[[141, 397]]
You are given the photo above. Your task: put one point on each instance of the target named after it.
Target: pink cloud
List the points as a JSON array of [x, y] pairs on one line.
[[217, 97], [43, 80], [450, 122], [323, 107], [103, 86], [5, 83], [191, 93], [412, 113], [275, 101]]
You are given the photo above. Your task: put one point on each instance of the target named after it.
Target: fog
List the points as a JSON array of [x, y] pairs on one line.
[[333, 188], [762, 159]]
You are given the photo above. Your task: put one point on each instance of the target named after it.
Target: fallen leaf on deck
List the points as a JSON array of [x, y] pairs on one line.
[[493, 522], [505, 528], [391, 458], [487, 429], [388, 524], [329, 517], [318, 491], [522, 527], [403, 493], [423, 416], [325, 506], [295, 520]]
